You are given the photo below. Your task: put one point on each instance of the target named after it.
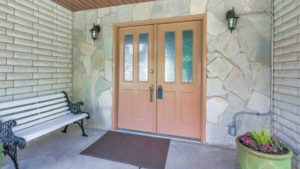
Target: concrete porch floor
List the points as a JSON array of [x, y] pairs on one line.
[[61, 151]]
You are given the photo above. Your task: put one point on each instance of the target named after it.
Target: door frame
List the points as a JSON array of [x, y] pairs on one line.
[[116, 26]]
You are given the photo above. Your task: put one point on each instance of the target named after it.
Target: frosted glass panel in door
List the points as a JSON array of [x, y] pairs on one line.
[[128, 58], [143, 57], [170, 57], [187, 56]]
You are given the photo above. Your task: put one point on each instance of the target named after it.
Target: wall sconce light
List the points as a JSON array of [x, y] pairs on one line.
[[231, 19], [95, 31]]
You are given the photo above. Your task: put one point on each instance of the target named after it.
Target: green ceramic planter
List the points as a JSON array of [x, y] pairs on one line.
[[251, 159]]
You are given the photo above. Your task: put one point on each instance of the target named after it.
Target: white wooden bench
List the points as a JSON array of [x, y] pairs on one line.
[[25, 120]]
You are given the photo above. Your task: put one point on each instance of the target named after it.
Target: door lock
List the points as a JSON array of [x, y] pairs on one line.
[[152, 71], [159, 92]]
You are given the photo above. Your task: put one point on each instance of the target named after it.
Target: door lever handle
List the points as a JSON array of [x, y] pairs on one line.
[[151, 88]]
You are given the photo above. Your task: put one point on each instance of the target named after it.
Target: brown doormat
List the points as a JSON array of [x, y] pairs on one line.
[[137, 150]]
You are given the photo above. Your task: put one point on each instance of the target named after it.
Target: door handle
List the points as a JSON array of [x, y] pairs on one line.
[[151, 88]]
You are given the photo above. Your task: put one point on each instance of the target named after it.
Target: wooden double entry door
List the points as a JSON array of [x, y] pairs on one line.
[[160, 78]]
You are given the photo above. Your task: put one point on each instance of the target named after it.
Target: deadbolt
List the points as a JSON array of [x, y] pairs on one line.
[[151, 71]]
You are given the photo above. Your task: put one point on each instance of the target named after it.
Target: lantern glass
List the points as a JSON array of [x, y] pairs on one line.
[[94, 34], [232, 21]]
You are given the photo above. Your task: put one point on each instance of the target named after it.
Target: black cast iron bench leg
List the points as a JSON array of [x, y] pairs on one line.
[[65, 130], [80, 123], [10, 141], [12, 153]]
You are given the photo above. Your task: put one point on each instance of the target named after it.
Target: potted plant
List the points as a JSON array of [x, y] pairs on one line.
[[259, 150]]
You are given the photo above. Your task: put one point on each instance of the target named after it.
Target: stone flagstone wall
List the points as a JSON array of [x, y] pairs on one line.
[[287, 76], [35, 49], [238, 63]]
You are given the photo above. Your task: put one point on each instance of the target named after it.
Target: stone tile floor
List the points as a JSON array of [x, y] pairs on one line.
[[61, 151]]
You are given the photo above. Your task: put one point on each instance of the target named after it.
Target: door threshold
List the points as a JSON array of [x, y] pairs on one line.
[[177, 138]]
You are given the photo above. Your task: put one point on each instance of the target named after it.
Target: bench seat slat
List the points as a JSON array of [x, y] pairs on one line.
[[29, 129], [5, 112], [36, 127], [32, 124], [28, 101], [25, 120], [51, 126], [24, 114]]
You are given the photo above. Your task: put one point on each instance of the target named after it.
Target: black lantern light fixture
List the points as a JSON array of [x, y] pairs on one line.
[[95, 31], [231, 19]]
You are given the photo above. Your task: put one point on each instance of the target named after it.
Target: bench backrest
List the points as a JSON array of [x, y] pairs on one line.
[[34, 111]]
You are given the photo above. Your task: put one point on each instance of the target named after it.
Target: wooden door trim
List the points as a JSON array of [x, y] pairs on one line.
[[155, 76], [116, 26]]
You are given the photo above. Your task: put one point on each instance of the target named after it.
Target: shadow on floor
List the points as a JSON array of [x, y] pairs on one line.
[[61, 151]]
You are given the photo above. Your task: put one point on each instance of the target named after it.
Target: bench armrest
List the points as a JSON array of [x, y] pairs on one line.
[[8, 138], [75, 108]]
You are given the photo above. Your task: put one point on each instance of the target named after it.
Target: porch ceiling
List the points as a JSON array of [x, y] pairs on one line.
[[79, 5]]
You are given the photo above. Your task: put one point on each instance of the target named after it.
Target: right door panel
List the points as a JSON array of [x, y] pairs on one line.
[[178, 72]]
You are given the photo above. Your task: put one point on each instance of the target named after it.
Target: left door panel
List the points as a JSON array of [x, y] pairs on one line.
[[136, 59]]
